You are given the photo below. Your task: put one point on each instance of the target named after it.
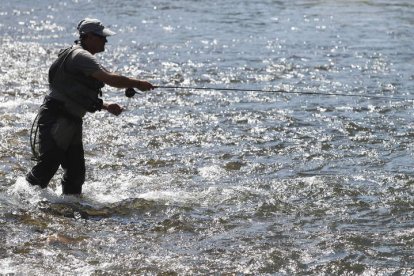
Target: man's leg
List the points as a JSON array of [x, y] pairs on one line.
[[50, 154], [45, 169], [74, 165]]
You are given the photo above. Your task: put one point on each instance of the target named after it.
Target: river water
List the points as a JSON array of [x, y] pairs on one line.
[[229, 182]]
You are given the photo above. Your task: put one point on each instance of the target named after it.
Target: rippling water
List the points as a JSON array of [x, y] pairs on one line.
[[201, 182]]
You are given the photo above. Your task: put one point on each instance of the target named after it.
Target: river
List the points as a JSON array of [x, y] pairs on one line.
[[196, 182]]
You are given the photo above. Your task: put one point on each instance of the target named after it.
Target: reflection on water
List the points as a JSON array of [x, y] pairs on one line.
[[200, 182]]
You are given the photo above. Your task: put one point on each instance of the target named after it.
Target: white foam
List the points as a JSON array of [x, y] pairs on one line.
[[98, 193], [211, 172], [7, 266], [23, 193], [124, 187], [169, 196]]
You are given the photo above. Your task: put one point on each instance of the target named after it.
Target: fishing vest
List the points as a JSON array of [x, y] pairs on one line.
[[78, 92]]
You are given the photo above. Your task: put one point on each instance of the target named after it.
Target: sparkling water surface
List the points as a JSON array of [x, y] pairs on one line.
[[229, 182]]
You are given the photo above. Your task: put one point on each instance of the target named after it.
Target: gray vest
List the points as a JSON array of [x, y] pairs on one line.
[[79, 93]]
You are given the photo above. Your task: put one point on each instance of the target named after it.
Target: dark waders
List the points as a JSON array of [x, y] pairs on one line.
[[60, 144]]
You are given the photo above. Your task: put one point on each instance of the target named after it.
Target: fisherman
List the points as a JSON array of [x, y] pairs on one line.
[[75, 80]]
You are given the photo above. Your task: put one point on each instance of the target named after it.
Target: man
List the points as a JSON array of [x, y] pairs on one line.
[[75, 81]]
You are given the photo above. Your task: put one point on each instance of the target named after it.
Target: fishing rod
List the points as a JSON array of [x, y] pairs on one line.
[[130, 92]]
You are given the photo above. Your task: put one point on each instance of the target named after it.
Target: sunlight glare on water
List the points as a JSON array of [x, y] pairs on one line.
[[192, 181]]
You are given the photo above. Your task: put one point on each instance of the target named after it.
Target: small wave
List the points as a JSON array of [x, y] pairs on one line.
[[25, 195], [94, 203]]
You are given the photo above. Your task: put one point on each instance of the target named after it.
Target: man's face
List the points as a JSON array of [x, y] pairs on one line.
[[96, 43]]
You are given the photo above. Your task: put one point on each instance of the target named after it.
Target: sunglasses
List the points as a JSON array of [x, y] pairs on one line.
[[100, 36]]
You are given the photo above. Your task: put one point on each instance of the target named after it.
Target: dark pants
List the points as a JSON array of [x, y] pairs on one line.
[[60, 144]]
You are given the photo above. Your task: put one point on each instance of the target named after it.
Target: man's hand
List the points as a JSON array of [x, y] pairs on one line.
[[113, 108], [145, 86]]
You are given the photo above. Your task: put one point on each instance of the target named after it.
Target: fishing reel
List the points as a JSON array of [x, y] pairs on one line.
[[130, 92]]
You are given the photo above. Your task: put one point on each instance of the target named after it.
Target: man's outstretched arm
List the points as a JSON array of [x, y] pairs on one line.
[[119, 81]]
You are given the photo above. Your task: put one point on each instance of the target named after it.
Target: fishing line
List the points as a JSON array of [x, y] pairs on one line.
[[34, 136], [128, 102], [131, 92], [282, 92]]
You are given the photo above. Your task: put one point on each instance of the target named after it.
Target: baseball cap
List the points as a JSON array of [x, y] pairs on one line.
[[90, 25]]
